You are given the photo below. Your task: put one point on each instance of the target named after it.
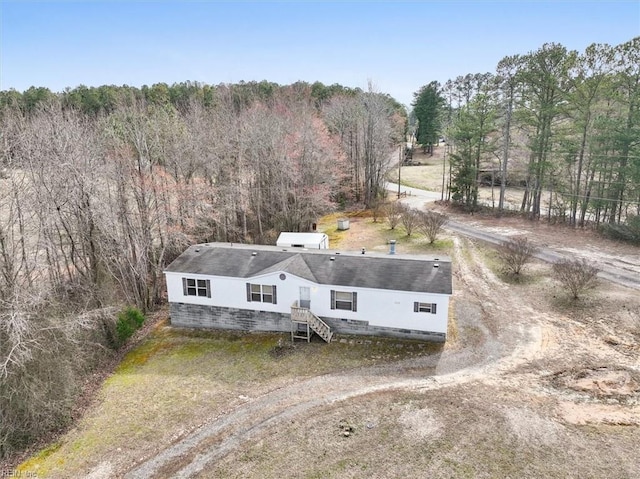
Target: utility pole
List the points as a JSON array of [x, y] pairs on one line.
[[444, 161], [399, 166]]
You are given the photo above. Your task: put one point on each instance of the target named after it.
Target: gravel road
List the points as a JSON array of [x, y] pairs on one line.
[[625, 275]]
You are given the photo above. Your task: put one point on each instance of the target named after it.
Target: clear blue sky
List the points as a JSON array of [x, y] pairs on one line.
[[399, 46]]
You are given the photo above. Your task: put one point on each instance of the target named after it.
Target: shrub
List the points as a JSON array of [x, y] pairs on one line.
[[377, 209], [394, 213], [629, 231], [409, 218], [516, 253], [129, 320], [577, 276], [431, 224]]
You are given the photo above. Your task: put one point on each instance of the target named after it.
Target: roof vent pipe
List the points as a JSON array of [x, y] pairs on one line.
[[436, 265], [333, 258], [392, 247], [362, 250]]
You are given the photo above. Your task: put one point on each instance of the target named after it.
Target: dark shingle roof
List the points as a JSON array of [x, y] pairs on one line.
[[395, 272]]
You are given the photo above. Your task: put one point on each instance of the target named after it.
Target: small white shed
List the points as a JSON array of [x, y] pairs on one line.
[[303, 240]]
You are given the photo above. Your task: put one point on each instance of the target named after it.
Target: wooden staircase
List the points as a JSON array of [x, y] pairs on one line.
[[310, 322]]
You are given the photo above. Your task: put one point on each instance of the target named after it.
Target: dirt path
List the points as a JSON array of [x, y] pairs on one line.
[[498, 347]]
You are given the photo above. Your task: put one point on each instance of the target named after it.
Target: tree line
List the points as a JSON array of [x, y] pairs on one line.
[[103, 99], [102, 187], [564, 126]]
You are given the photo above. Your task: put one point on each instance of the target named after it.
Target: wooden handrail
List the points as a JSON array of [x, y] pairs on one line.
[[305, 315]]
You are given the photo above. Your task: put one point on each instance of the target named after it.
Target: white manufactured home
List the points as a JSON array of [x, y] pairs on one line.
[[267, 288], [303, 240]]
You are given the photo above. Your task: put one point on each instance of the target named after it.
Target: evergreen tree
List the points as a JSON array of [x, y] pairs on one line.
[[473, 135], [428, 106]]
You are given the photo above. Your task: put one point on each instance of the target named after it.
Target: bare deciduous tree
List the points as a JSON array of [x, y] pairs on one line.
[[46, 346], [516, 253], [377, 209], [577, 276], [92, 208], [394, 213], [431, 224], [367, 129], [410, 219]]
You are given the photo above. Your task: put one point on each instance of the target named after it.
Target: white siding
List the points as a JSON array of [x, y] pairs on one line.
[[307, 240], [385, 308]]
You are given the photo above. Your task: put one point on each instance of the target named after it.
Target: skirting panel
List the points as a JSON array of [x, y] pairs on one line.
[[214, 317]]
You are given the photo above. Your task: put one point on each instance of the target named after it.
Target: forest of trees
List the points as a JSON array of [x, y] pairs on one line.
[[562, 126], [100, 188]]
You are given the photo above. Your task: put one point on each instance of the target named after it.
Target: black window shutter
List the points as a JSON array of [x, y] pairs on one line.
[[208, 288], [333, 299], [416, 307], [184, 286], [433, 308], [355, 302], [248, 292], [275, 298]]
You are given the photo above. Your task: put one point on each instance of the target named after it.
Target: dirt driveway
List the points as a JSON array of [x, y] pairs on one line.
[[528, 385]]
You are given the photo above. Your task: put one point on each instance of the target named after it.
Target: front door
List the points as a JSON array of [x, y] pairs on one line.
[[305, 297]]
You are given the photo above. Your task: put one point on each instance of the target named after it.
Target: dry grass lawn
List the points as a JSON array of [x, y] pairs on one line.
[[177, 379], [426, 174]]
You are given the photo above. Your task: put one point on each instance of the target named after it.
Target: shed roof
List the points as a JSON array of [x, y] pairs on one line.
[[395, 272], [301, 238]]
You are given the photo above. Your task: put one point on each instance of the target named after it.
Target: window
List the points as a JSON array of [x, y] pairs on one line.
[[261, 293], [344, 300], [424, 307], [196, 287], [256, 292]]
